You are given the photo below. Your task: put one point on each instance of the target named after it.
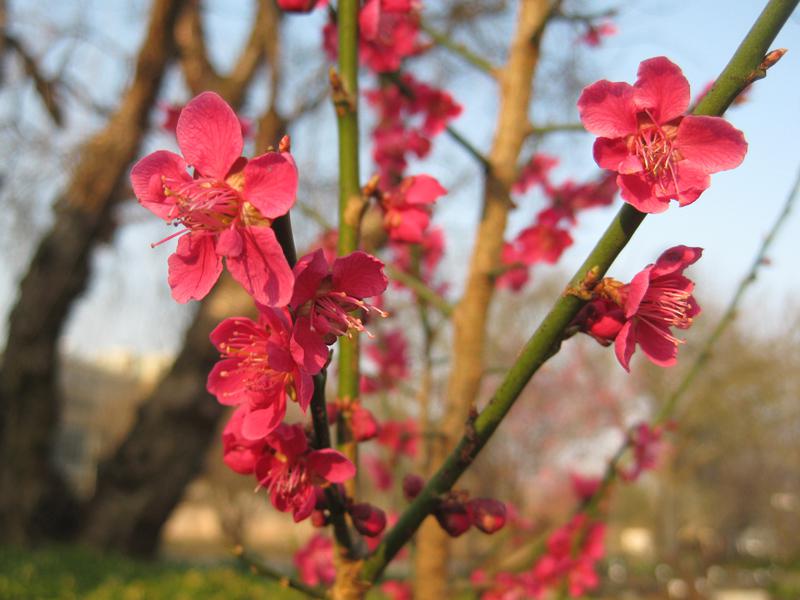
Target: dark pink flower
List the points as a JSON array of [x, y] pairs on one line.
[[397, 590], [453, 517], [602, 319], [658, 153], [584, 487], [535, 172], [401, 437], [647, 444], [389, 31], [263, 362], [379, 472], [516, 273], [299, 6], [224, 210], [292, 470], [389, 352], [325, 296], [407, 208], [314, 561], [657, 299], [542, 242], [596, 32]]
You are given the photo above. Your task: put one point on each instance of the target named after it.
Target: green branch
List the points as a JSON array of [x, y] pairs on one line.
[[547, 338]]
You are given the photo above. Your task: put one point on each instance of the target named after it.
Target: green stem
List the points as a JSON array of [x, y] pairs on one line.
[[351, 207], [547, 338], [461, 50], [257, 567], [555, 127]]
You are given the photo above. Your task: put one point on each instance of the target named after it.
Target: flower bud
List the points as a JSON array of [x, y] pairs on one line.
[[368, 520], [487, 514], [453, 517], [412, 486]]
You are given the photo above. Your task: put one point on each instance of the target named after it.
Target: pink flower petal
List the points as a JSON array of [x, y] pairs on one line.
[[209, 135], [369, 19], [359, 275], [228, 383], [331, 465], [657, 344], [270, 183], [625, 344], [194, 268], [308, 275], [710, 143], [228, 328], [148, 185], [692, 182], [262, 268], [258, 424], [230, 242], [662, 89], [307, 347], [612, 153], [423, 189], [607, 109], [637, 288], [638, 192], [675, 259]]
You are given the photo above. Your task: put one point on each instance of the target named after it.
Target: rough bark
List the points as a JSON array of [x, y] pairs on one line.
[[143, 481], [57, 275], [469, 318]]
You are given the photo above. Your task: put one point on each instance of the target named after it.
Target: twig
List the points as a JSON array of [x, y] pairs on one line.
[[461, 50], [421, 289], [257, 567]]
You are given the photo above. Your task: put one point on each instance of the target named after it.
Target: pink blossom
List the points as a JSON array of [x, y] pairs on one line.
[[389, 352], [584, 487], [595, 33], [427, 256], [658, 153], [325, 295], [516, 273], [407, 208], [299, 6], [397, 590], [292, 470], [535, 172], [602, 319], [379, 472], [170, 113], [658, 298], [412, 486], [647, 444], [542, 242], [453, 516], [389, 31], [263, 362], [401, 437], [314, 561], [224, 210]]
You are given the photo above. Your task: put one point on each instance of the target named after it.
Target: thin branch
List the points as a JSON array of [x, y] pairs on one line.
[[258, 567], [555, 128], [44, 86], [546, 339], [461, 50], [422, 289]]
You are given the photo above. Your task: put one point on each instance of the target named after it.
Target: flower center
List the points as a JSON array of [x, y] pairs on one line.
[[664, 305], [653, 145], [202, 204]]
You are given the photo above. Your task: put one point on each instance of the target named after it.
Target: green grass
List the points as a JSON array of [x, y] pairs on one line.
[[69, 573]]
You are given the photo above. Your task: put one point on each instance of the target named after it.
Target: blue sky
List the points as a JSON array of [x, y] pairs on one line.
[[128, 305]]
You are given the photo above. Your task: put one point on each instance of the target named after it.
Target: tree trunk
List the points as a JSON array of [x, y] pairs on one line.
[[469, 319], [57, 275]]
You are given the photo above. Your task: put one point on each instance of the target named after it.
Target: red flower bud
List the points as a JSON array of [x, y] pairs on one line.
[[453, 517], [487, 514], [368, 520], [412, 486]]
